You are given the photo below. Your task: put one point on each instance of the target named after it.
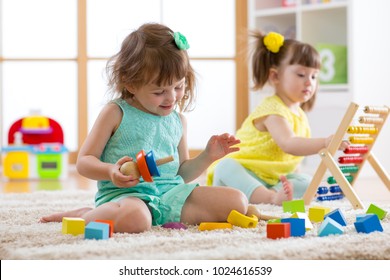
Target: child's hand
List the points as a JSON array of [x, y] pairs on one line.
[[344, 145], [120, 180], [221, 145]]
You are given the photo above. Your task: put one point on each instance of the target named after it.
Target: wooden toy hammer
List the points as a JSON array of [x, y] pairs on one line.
[[146, 166]]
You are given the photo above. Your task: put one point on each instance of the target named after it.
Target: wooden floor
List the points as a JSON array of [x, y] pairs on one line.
[[368, 189]]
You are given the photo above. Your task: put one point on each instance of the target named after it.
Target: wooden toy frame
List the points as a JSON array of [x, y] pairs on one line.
[[328, 162]]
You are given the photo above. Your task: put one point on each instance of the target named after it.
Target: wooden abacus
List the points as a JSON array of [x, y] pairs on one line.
[[362, 139]]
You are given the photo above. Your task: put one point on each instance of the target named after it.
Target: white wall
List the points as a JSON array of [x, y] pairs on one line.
[[370, 56]]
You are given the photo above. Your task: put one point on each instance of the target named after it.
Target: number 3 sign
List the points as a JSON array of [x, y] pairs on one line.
[[334, 64]]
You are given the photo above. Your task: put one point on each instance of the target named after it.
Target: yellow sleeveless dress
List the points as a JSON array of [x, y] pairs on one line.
[[258, 151]]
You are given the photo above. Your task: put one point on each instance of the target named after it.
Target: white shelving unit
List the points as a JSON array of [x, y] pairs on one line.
[[361, 26]]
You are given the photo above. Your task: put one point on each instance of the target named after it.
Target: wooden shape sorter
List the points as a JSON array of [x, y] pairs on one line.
[[362, 138]]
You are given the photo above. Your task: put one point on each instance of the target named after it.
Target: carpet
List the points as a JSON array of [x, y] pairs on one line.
[[23, 238]]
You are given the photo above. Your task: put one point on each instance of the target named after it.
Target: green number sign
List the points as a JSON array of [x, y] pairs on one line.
[[334, 64]]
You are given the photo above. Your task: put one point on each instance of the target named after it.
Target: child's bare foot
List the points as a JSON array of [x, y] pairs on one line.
[[57, 217], [284, 194]]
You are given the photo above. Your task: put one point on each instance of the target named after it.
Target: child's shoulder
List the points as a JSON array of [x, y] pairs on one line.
[[271, 104]]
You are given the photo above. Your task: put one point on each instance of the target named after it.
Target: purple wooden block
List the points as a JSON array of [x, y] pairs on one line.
[[174, 225]]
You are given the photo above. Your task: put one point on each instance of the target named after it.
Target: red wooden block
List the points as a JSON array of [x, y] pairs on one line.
[[278, 230], [110, 223]]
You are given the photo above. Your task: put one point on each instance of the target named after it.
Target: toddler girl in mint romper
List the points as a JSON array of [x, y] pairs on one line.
[[165, 196]]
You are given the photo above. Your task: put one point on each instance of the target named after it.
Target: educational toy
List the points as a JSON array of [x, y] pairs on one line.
[[330, 226], [293, 206], [368, 224], [241, 220], [174, 225], [95, 230], [300, 215], [253, 210], [317, 213], [297, 226], [214, 226], [35, 150], [73, 226], [362, 138], [110, 224], [373, 209], [337, 216], [146, 166], [278, 230]]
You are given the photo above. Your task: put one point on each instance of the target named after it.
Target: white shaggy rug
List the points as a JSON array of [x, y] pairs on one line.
[[22, 237]]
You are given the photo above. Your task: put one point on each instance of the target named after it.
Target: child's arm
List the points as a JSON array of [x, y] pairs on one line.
[[217, 147], [88, 161], [285, 138]]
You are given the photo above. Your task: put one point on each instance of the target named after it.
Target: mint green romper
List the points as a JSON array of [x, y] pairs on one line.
[[166, 195]]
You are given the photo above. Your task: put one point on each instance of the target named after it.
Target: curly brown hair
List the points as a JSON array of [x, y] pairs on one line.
[[150, 55]]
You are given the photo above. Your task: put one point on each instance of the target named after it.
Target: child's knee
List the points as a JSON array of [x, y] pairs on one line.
[[237, 201], [134, 221]]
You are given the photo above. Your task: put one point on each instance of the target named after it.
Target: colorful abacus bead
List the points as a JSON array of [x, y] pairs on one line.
[[375, 110], [345, 160], [371, 120], [361, 140], [349, 169], [330, 197], [332, 180], [356, 150], [362, 130], [335, 189], [322, 190]]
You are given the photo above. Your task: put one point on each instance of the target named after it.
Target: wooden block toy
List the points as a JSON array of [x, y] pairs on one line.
[[174, 225], [361, 216], [241, 220], [297, 226], [274, 221], [300, 215], [317, 213], [278, 230], [253, 210], [368, 224], [95, 230], [330, 226], [338, 216], [145, 167], [373, 209], [214, 226], [110, 224], [293, 206], [73, 226]]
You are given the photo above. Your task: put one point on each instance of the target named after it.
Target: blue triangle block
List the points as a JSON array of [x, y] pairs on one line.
[[330, 226], [368, 224], [338, 216]]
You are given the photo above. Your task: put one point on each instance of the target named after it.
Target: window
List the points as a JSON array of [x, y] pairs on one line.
[[54, 60]]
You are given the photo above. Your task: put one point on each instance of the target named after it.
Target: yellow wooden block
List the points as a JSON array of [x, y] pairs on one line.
[[301, 215], [241, 220], [73, 226], [213, 226], [317, 213]]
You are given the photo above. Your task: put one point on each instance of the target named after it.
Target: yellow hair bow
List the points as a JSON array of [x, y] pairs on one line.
[[273, 41]]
